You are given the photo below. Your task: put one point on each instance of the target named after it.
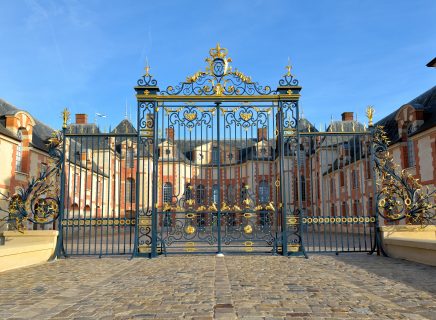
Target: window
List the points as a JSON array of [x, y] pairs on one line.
[[370, 207], [130, 158], [318, 182], [130, 214], [356, 207], [332, 186], [303, 188], [342, 178], [368, 169], [215, 155], [263, 152], [410, 153], [296, 190], [231, 194], [130, 190], [344, 209], [18, 158], [167, 192], [346, 148], [200, 193], [300, 185], [215, 193], [302, 157], [188, 191], [43, 169], [355, 178], [263, 191], [76, 183]]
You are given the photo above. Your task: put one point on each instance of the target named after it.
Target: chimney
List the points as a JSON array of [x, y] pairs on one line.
[[170, 134], [347, 116], [81, 118], [262, 134]]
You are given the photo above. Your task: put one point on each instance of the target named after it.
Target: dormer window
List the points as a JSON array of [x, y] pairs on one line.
[[167, 152], [410, 129]]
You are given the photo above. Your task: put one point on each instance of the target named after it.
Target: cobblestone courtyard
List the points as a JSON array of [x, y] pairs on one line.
[[234, 287]]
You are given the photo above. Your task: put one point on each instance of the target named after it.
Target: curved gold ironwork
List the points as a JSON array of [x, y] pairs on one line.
[[38, 201], [248, 229], [399, 194], [190, 229]]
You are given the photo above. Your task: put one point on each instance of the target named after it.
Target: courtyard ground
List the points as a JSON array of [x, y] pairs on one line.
[[234, 287]]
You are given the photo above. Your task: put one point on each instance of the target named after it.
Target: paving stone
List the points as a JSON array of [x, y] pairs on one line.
[[354, 286]]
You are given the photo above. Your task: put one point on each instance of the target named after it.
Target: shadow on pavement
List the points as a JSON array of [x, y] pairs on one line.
[[416, 275]]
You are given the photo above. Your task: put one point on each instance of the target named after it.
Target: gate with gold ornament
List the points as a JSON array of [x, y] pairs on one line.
[[217, 143], [219, 164]]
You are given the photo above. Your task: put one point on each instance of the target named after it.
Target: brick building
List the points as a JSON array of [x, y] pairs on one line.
[[23, 152], [102, 170]]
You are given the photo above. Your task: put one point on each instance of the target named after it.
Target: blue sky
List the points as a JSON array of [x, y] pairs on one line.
[[87, 55]]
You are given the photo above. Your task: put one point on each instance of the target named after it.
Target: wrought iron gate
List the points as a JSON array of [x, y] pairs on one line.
[[217, 142], [218, 163], [99, 215]]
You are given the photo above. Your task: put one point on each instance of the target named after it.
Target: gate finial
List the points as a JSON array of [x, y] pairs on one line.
[[370, 114], [288, 67], [65, 118], [218, 52]]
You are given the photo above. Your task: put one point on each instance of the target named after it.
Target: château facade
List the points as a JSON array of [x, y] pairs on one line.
[[102, 170]]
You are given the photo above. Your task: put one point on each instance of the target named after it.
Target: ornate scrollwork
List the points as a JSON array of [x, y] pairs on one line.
[[147, 79], [246, 117], [399, 195], [289, 114], [190, 117], [144, 227], [218, 79], [184, 228], [293, 231], [288, 79], [39, 201]]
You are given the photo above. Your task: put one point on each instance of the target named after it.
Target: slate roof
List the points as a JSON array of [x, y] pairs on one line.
[[425, 102], [87, 128], [41, 132], [124, 126], [305, 124]]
